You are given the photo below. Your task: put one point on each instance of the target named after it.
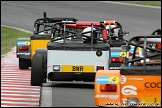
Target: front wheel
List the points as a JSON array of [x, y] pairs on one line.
[[37, 70]]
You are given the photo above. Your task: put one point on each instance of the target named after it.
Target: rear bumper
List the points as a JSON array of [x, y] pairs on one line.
[[70, 76], [23, 56], [114, 66]]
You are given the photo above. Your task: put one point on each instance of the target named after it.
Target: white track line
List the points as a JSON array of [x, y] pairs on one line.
[[129, 4], [10, 102], [27, 31], [12, 88], [4, 98], [19, 91], [18, 94], [15, 81], [2, 105]]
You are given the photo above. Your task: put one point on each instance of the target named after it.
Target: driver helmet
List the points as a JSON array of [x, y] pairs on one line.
[[44, 33], [87, 34], [114, 31], [156, 32]]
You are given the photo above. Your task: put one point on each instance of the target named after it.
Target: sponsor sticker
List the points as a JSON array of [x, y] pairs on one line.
[[115, 54], [106, 96], [107, 80], [103, 79], [139, 79], [129, 90], [123, 54], [27, 43], [139, 49], [123, 79], [114, 80], [23, 43], [132, 49], [152, 85], [20, 43]]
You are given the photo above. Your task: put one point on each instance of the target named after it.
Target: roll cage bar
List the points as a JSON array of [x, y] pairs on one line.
[[45, 20], [99, 26], [144, 47], [54, 28]]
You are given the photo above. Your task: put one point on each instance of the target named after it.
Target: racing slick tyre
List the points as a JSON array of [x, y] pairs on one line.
[[37, 70], [23, 63]]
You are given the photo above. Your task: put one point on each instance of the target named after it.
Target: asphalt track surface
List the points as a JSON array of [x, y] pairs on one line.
[[135, 20]]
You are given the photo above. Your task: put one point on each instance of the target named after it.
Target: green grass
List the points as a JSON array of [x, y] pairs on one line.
[[9, 37], [152, 3]]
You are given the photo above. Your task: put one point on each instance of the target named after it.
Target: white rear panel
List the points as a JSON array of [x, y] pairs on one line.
[[58, 57]]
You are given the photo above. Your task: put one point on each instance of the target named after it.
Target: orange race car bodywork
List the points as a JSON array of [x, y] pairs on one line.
[[138, 84], [145, 88]]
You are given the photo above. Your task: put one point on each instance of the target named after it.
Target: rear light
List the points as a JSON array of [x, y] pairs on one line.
[[23, 48], [108, 87], [100, 68], [137, 52], [117, 60], [159, 46], [131, 54], [56, 67]]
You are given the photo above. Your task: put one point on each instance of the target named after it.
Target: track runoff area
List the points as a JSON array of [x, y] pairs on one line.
[[15, 84]]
